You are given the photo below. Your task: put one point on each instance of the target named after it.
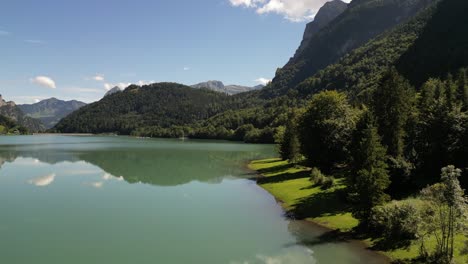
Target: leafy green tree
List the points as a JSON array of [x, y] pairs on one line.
[[370, 176], [289, 145], [393, 102], [325, 129], [462, 89], [445, 214]]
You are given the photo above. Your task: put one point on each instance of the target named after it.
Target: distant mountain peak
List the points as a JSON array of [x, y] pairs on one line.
[[4, 103], [114, 90], [218, 86], [50, 111]]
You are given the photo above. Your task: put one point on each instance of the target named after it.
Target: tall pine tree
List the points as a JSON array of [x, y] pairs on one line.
[[393, 102], [370, 176]]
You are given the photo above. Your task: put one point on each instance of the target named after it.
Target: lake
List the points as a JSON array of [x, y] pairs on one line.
[[86, 199]]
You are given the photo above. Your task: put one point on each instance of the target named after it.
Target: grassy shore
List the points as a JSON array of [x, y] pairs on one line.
[[291, 186]]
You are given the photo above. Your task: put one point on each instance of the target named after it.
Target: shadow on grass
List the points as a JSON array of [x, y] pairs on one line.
[[276, 169], [320, 204], [284, 177]]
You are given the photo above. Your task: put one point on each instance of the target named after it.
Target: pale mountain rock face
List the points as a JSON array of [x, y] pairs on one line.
[[114, 90], [219, 86], [325, 15], [5, 103]]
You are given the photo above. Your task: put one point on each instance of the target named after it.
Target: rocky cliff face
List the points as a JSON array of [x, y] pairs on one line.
[[362, 21], [325, 15], [5, 103]]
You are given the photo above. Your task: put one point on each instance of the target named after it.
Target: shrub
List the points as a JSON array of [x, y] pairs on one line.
[[396, 222], [320, 179], [328, 183]]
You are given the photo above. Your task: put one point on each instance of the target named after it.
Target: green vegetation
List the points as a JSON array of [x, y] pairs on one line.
[[24, 122], [362, 21], [424, 132], [8, 126], [398, 225], [303, 199]]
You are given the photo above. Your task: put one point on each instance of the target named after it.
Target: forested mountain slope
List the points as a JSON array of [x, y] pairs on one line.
[[51, 111], [12, 111], [362, 21], [156, 105]]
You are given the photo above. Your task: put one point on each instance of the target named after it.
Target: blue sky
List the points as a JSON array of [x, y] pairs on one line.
[[77, 49]]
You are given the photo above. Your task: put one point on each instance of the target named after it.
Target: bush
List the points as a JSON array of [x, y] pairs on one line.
[[396, 222], [328, 183], [320, 179]]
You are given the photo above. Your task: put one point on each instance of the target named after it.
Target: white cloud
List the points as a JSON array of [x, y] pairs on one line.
[[123, 85], [4, 33], [292, 10], [37, 100], [262, 81], [186, 68], [246, 3], [98, 77], [43, 181], [44, 81]]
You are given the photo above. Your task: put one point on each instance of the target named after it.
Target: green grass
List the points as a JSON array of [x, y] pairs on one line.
[[290, 184]]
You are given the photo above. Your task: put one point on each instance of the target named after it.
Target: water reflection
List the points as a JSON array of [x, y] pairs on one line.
[[43, 181], [141, 162]]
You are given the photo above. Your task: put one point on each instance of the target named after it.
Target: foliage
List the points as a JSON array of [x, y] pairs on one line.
[[392, 105], [359, 72], [370, 176], [362, 21], [320, 179], [444, 215], [9, 126], [396, 223], [325, 129], [24, 122], [288, 142], [148, 109], [441, 47]]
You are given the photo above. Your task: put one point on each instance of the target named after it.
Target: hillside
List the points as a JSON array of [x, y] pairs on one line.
[[445, 33], [51, 111], [8, 126], [360, 22], [219, 86], [360, 71], [156, 105], [13, 112]]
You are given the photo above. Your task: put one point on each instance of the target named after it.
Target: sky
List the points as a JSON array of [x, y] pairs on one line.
[[79, 49]]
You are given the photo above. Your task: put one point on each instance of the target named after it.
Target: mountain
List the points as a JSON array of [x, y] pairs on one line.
[[407, 48], [114, 90], [359, 72], [156, 105], [442, 47], [219, 86], [361, 21], [51, 111], [12, 111], [328, 12]]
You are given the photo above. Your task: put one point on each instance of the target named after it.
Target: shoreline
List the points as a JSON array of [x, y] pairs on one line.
[[356, 244]]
